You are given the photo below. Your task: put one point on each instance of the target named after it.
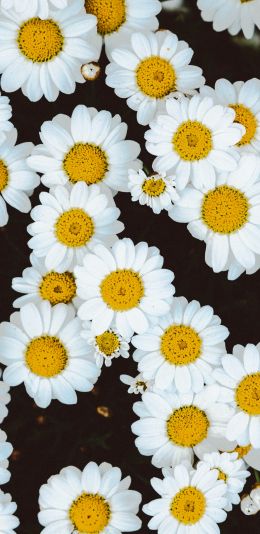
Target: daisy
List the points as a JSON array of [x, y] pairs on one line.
[[172, 426], [156, 191], [96, 500], [43, 56], [5, 115], [8, 521], [125, 286], [4, 399], [6, 450], [194, 139], [106, 346], [182, 348], [89, 146], [247, 453], [17, 180], [190, 501], [71, 221], [232, 15], [137, 384], [154, 66], [41, 346], [225, 215], [32, 5]]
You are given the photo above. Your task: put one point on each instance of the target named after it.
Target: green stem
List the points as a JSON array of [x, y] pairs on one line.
[[146, 170], [257, 475]]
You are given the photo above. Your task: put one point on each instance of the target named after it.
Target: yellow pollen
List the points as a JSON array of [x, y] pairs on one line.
[[188, 505], [74, 228], [180, 345], [187, 426], [58, 287], [156, 77], [248, 394], [192, 141], [108, 343], [46, 356], [245, 117], [141, 384], [245, 1], [85, 162], [40, 40], [90, 513], [242, 451], [154, 187], [3, 175], [111, 14], [225, 209], [221, 475], [122, 290]]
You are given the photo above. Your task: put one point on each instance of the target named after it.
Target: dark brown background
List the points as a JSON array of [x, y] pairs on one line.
[[47, 440]]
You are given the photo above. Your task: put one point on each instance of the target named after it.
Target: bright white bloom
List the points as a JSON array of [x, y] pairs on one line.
[[30, 6], [226, 216], [71, 221], [43, 56], [154, 66], [137, 384], [182, 348], [249, 506], [106, 346], [93, 500], [172, 427], [42, 347], [89, 146], [4, 399], [125, 286], [5, 115], [8, 521], [232, 15], [5, 450], [194, 140], [156, 191]]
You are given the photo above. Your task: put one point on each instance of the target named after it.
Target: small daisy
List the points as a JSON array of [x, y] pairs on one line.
[[232, 15], [156, 191], [4, 399], [5, 115], [125, 285], [8, 521], [95, 500], [191, 501], [42, 347], [6, 450], [32, 6], [182, 348], [137, 384], [71, 221], [89, 146], [152, 68], [194, 140], [43, 56], [247, 453], [172, 427], [106, 346]]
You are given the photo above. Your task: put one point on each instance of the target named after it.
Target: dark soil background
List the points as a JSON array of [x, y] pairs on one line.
[[47, 440]]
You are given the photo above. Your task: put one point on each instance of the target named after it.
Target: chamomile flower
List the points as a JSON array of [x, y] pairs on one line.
[[70, 221], [182, 348], [30, 6], [172, 427], [156, 191], [125, 286], [194, 140], [247, 453], [96, 500], [5, 115], [41, 346], [4, 399], [106, 346], [43, 56], [154, 66], [5, 450], [8, 521], [137, 384], [232, 15]]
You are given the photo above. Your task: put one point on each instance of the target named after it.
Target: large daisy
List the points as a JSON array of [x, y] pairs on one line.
[[156, 191], [89, 146], [30, 6], [43, 56], [152, 67], [232, 15], [195, 139], [106, 346], [8, 521], [6, 450], [41, 346], [5, 115], [96, 500], [125, 285], [182, 347]]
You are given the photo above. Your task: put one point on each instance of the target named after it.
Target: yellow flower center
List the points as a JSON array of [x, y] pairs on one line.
[[90, 513], [122, 290], [3, 175], [58, 287], [85, 162], [156, 77], [180, 345], [225, 209], [74, 228], [222, 475], [46, 356], [242, 451], [154, 187], [111, 14], [192, 141], [40, 40], [245, 117], [188, 505], [187, 426], [108, 342], [248, 394]]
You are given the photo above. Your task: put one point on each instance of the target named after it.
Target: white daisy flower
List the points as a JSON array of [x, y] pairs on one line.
[[232, 15], [5, 115], [8, 521], [71, 221], [247, 453], [43, 56], [154, 66], [93, 500], [156, 191], [6, 450], [42, 6], [89, 146], [194, 140], [190, 501], [172, 427], [106, 346], [4, 399], [41, 346], [182, 348], [137, 384], [125, 286]]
